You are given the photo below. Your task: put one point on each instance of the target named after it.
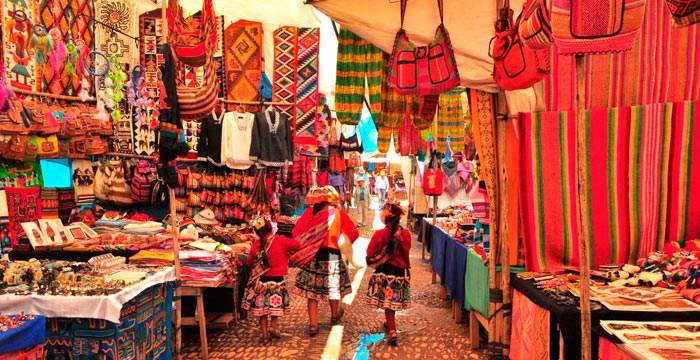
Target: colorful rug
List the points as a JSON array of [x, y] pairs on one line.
[[450, 121], [306, 98], [21, 66], [642, 169], [150, 35], [284, 76], [119, 15], [23, 205], [358, 62], [393, 112], [243, 55], [73, 19], [529, 338], [644, 74]]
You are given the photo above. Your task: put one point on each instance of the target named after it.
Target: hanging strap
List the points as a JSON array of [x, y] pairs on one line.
[[440, 6]]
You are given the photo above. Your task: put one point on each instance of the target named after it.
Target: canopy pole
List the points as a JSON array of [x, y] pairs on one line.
[[583, 221], [504, 249]]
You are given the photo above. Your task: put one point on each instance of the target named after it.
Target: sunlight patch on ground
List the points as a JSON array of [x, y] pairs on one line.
[[359, 251], [333, 344]]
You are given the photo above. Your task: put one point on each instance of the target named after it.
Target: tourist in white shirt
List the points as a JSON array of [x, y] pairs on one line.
[[381, 185]]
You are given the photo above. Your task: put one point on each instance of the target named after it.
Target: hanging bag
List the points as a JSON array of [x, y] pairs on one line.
[[423, 70], [684, 12], [514, 65], [535, 28], [432, 178], [261, 263]]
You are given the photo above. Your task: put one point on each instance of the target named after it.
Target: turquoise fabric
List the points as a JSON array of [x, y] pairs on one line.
[[368, 132], [59, 173], [476, 283]]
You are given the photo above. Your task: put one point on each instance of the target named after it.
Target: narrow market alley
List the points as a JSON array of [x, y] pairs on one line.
[[427, 331]]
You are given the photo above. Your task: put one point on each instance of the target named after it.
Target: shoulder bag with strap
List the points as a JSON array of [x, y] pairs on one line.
[[261, 263], [432, 178], [423, 70]]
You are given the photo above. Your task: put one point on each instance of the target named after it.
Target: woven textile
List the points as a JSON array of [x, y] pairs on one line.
[[410, 140], [684, 12], [21, 66], [358, 60], [529, 338], [243, 54], [645, 74], [284, 76], [609, 350], [450, 121], [596, 26], [23, 205], [684, 173], [628, 166], [71, 17], [306, 101], [393, 113], [119, 15]]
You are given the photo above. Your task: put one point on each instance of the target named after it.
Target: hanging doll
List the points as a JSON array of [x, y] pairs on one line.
[[19, 30]]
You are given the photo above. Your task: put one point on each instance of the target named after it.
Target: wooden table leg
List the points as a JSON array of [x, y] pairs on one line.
[[473, 330], [201, 318]]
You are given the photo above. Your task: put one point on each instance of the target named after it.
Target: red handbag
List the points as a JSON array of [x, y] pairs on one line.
[[432, 178], [515, 66], [423, 70]]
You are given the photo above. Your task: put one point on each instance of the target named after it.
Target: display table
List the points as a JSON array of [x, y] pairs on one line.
[[23, 341], [133, 323], [200, 318], [544, 329], [67, 255]]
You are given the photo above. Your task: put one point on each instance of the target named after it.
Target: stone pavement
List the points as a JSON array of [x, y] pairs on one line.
[[427, 331]]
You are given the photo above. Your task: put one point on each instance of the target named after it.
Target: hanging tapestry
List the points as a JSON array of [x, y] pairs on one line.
[[322, 127], [306, 100], [145, 132], [284, 76], [684, 173], [74, 20], [358, 61], [596, 26], [118, 15], [23, 205], [628, 184], [450, 121], [410, 140], [198, 75], [243, 54], [393, 112], [642, 75], [21, 67]]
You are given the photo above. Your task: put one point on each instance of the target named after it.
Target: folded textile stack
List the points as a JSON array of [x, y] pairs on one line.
[[107, 261], [203, 266], [161, 257]]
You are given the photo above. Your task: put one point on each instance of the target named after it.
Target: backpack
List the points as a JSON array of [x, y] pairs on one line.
[[143, 181]]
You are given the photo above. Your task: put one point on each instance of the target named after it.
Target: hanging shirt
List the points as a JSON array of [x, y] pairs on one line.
[[237, 133]]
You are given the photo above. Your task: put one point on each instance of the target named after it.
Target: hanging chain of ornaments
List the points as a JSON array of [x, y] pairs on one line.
[[139, 97]]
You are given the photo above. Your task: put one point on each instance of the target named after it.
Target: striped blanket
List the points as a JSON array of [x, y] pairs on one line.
[[312, 238], [645, 74], [639, 170]]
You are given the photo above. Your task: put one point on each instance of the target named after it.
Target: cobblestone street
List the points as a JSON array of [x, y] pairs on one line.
[[427, 331]]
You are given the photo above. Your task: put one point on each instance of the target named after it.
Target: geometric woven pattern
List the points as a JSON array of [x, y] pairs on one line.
[[119, 15], [243, 54], [284, 77], [530, 336], [450, 121], [74, 19], [306, 85]]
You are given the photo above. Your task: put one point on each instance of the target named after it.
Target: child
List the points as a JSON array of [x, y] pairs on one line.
[[267, 294], [392, 276]]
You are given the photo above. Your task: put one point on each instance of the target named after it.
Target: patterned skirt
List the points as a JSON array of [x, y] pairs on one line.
[[325, 277], [266, 296], [390, 288]]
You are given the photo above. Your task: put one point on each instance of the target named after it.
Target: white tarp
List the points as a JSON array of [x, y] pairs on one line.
[[469, 22]]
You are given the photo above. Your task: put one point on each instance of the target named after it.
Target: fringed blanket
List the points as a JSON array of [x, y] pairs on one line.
[[284, 77], [243, 54], [639, 174], [306, 100], [645, 74], [450, 121]]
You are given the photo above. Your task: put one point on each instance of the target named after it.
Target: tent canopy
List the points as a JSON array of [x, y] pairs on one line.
[[470, 24]]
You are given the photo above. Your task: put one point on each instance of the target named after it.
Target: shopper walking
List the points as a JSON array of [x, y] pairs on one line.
[[390, 284], [323, 274], [266, 293], [361, 201], [381, 184]]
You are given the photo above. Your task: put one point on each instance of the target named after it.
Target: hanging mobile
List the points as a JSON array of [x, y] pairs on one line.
[[97, 65]]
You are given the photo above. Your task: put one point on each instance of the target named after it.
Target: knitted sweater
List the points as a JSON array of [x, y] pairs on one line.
[[272, 143]]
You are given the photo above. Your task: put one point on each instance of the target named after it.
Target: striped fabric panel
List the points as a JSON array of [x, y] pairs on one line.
[[357, 60], [450, 121], [639, 168], [684, 174], [645, 74], [393, 112]]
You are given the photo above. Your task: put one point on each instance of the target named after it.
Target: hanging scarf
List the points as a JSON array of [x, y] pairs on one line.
[[313, 236]]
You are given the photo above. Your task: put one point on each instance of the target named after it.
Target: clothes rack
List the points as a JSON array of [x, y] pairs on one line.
[[242, 102], [53, 96]]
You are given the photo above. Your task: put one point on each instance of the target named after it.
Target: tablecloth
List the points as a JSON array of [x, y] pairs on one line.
[[31, 333], [67, 255], [476, 283], [455, 263], [105, 307], [437, 252]]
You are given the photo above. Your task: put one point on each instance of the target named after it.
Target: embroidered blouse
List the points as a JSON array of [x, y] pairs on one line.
[[237, 132], [272, 143]]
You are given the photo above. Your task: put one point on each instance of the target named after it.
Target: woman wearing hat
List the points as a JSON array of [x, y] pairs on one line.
[[390, 284], [323, 274], [267, 294]]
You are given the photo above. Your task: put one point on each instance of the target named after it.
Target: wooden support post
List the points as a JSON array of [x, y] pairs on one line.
[[177, 316], [435, 204], [583, 220], [494, 255], [503, 223]]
